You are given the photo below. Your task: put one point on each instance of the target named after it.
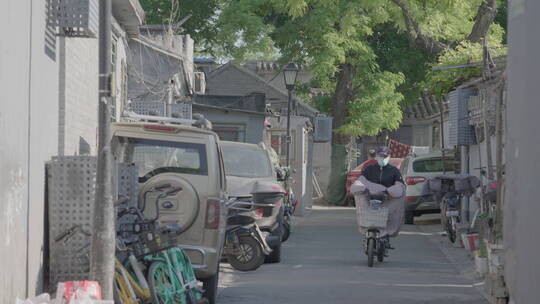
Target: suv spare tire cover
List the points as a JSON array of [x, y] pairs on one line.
[[185, 204]]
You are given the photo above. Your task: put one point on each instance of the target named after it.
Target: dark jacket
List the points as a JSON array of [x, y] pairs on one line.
[[386, 176]]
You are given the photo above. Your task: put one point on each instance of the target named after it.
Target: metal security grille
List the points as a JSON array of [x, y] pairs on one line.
[[148, 108], [75, 18], [127, 181], [127, 186], [460, 130], [182, 110], [71, 189]]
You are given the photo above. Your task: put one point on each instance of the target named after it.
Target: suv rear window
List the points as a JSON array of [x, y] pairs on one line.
[[155, 156], [433, 165]]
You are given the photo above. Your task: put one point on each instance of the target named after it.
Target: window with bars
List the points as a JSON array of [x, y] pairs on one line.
[[230, 132]]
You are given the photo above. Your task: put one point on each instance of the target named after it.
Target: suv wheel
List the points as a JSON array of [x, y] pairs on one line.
[[210, 286]]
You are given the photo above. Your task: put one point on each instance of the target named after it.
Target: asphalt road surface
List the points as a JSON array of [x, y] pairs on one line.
[[323, 262]]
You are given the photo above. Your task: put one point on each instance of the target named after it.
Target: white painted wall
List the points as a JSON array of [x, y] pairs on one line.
[[28, 132], [322, 153], [78, 96], [521, 206]]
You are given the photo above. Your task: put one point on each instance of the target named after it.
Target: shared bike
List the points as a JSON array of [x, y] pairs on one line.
[[150, 268]]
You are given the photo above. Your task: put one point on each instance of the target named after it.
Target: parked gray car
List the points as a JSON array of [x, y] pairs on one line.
[[246, 164]]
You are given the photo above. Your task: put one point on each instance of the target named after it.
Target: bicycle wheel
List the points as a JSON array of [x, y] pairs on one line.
[[123, 291], [162, 284], [370, 251], [186, 274]]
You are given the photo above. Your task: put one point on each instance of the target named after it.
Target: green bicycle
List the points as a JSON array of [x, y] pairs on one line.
[[170, 277]]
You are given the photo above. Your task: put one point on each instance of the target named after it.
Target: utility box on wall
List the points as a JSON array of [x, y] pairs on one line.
[[322, 129]]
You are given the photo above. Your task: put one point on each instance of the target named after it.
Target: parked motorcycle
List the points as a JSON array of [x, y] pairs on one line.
[[290, 202], [449, 189], [245, 244]]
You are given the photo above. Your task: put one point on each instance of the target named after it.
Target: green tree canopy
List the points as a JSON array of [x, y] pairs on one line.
[[200, 26]]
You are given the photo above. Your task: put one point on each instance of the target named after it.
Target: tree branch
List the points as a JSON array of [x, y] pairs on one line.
[[487, 12], [357, 88], [414, 32]]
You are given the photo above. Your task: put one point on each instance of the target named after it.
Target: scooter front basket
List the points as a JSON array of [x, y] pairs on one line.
[[372, 217]]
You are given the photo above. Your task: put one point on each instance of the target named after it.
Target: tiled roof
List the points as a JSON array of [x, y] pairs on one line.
[[427, 107]]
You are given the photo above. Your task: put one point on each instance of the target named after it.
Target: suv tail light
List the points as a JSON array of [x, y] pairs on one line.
[[160, 128], [212, 214], [413, 180]]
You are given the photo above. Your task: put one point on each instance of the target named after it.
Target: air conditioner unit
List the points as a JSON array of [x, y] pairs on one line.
[[200, 83]]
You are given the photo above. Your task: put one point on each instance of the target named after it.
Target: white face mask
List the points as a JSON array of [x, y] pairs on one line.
[[382, 161]]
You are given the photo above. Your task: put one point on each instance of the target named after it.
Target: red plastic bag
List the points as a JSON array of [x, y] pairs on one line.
[[72, 290]]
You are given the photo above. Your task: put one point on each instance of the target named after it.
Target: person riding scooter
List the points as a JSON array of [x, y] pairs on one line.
[[383, 178], [382, 172]]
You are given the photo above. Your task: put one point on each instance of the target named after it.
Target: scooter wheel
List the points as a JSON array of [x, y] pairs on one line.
[[250, 256], [370, 252], [286, 232], [381, 251]]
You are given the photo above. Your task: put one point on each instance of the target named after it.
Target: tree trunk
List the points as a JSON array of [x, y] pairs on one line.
[[487, 12], [342, 97], [417, 38]]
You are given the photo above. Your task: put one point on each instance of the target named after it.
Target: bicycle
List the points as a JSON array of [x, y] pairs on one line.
[[170, 276]]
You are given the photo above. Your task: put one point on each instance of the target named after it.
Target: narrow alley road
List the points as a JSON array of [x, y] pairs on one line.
[[323, 263]]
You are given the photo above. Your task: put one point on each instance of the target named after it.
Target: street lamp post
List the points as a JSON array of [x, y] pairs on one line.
[[290, 72]]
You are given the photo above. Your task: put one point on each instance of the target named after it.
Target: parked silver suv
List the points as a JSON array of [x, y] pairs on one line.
[[190, 158]]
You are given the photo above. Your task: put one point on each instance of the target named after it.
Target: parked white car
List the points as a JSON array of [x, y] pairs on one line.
[[416, 169]]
